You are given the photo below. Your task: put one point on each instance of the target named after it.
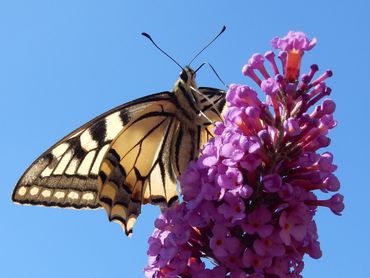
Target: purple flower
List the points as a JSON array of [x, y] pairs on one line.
[[291, 127], [272, 246], [291, 226], [228, 177], [293, 41], [331, 183], [239, 95], [232, 209], [221, 243], [257, 222], [325, 163], [336, 203], [250, 259], [256, 61], [251, 162], [272, 182], [270, 86]]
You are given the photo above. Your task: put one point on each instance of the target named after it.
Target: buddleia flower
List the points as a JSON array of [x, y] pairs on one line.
[[251, 197]]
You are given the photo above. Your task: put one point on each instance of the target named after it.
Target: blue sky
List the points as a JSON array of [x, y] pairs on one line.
[[64, 62]]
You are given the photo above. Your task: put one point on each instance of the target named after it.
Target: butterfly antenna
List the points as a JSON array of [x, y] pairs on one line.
[[214, 71], [204, 48], [160, 49]]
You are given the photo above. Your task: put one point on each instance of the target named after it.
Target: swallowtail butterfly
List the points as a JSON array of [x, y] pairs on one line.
[[128, 156]]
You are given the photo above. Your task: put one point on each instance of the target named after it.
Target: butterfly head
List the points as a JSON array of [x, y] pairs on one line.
[[187, 77]]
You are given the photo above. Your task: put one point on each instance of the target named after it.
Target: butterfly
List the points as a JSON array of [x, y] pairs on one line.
[[128, 156]]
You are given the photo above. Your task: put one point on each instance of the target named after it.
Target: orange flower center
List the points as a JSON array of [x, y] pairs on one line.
[[293, 65]]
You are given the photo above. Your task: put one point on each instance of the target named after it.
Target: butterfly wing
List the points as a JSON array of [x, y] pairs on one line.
[[66, 174]]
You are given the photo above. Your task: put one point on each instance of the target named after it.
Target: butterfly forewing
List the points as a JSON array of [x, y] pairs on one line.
[[66, 174]]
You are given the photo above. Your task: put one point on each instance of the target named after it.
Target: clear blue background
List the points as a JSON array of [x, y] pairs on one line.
[[64, 62]]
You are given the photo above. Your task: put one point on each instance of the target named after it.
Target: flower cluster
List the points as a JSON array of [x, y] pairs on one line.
[[249, 200]]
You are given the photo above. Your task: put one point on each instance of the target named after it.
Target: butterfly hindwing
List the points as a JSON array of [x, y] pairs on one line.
[[136, 169], [144, 160]]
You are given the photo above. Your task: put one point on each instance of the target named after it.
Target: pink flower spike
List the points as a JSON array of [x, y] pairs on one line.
[[249, 200]]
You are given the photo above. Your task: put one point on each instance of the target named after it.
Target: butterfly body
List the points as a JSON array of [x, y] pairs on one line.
[[128, 156]]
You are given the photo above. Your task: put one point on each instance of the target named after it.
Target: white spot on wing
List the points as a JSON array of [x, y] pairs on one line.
[[113, 126], [87, 142], [63, 163], [22, 191], [46, 193], [96, 167], [60, 149], [88, 196], [34, 190], [59, 194], [73, 195], [86, 164]]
